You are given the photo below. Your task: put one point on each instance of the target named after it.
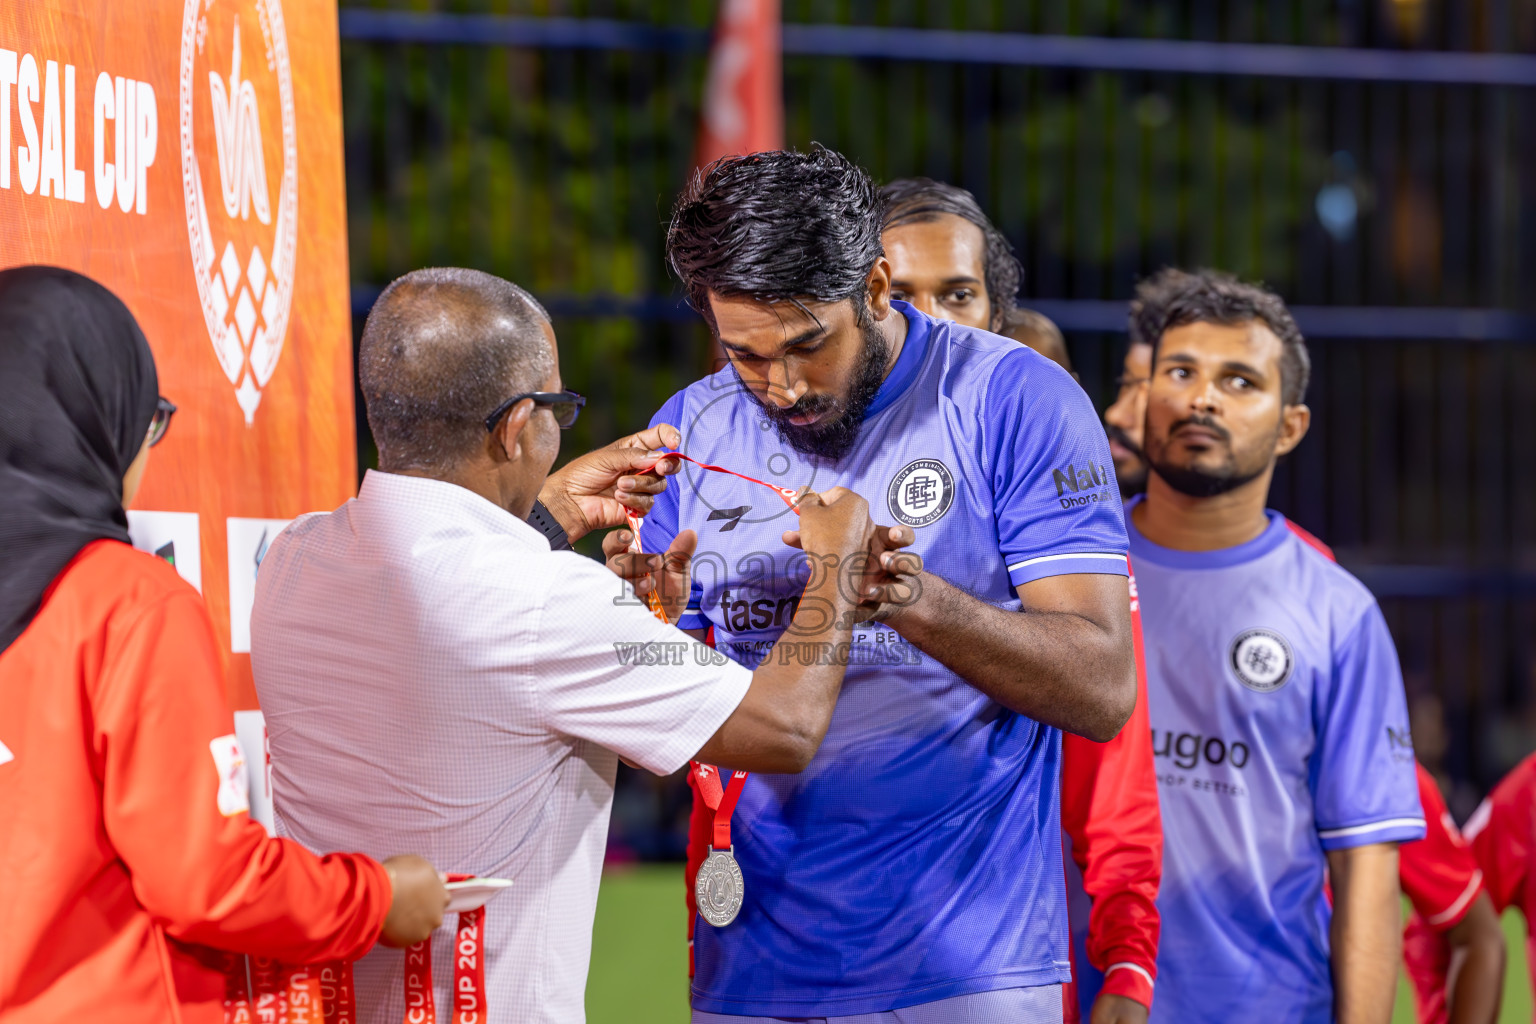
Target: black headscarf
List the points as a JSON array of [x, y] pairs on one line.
[[77, 394]]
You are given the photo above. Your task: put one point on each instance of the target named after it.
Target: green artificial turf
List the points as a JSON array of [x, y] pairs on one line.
[[640, 955], [1516, 1007], [640, 948]]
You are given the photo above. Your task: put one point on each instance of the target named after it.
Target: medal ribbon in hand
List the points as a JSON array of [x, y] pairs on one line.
[[652, 600]]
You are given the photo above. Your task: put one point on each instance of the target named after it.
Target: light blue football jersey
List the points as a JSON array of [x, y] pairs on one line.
[[1279, 731], [919, 856]]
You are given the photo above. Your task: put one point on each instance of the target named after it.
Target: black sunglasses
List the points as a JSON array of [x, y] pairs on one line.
[[164, 410], [566, 405]]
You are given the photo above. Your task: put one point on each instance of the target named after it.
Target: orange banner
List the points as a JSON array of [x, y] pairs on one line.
[[187, 154]]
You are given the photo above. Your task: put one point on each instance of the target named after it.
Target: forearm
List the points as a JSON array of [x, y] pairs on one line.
[[782, 720], [291, 904], [563, 510], [1057, 667], [1475, 981], [1366, 933]]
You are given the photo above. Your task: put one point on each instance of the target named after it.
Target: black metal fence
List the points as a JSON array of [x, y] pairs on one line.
[[1374, 160]]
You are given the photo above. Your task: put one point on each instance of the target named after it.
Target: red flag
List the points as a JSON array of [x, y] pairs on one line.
[[744, 94]]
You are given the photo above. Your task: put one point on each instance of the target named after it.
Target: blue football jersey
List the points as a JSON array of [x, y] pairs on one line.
[[919, 856], [1279, 731]]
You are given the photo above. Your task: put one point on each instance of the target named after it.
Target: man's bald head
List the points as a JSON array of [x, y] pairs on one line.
[[442, 347]]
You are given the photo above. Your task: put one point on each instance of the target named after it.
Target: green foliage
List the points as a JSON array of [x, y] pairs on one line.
[[557, 169]]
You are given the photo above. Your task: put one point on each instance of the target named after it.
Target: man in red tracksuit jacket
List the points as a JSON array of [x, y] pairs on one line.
[[1114, 833]]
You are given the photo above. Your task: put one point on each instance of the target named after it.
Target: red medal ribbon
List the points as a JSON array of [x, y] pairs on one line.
[[420, 1005], [237, 990], [269, 989], [297, 994], [304, 1002], [469, 965], [789, 494], [721, 800], [338, 1001]]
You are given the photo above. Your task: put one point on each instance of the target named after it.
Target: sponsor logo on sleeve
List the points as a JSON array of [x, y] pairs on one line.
[[921, 493], [1080, 484], [1400, 743], [1262, 660], [234, 794]]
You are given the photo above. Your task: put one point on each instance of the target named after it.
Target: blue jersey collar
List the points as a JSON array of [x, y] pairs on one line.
[[1275, 534], [919, 327]]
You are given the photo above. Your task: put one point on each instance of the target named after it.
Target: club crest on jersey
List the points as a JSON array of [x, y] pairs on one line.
[[1262, 660], [921, 492]]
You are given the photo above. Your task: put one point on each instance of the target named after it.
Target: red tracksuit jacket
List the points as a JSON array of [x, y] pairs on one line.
[[126, 854], [1441, 878], [1109, 811]]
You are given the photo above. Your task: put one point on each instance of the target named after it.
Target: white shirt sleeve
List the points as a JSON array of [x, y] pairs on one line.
[[611, 673]]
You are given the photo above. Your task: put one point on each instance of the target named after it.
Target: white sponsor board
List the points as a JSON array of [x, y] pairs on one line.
[[251, 732], [248, 542], [172, 536]]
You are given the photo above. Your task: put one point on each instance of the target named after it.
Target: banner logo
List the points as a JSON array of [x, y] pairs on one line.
[[238, 137]]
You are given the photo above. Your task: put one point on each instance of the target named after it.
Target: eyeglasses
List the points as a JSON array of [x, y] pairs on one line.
[[164, 410], [566, 405]]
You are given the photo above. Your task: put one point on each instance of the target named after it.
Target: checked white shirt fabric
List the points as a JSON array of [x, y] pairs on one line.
[[437, 681]]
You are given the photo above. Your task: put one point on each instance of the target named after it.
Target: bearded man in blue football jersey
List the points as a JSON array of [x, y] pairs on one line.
[[913, 873], [1279, 723]]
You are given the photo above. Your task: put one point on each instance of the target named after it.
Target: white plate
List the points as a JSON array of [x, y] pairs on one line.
[[474, 892]]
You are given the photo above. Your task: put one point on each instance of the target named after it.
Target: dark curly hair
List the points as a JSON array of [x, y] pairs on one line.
[[1173, 298], [779, 225], [1152, 296], [914, 200]]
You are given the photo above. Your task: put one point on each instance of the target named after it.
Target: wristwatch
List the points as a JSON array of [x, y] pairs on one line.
[[542, 520]]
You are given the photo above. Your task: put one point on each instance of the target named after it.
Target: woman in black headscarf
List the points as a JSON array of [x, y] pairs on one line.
[[78, 396], [125, 849]]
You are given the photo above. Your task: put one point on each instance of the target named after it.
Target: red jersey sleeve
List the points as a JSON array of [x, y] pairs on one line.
[[1500, 833], [1109, 808], [1439, 874], [173, 810]]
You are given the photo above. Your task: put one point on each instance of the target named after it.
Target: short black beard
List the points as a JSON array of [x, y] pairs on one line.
[[1200, 483], [1134, 483], [833, 438]]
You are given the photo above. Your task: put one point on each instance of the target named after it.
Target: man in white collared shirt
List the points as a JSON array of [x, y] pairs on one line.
[[435, 677]]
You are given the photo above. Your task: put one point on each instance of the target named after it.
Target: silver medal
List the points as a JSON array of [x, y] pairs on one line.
[[719, 888]]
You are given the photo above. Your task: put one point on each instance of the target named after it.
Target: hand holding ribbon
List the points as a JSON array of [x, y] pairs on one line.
[[596, 491], [885, 579]]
